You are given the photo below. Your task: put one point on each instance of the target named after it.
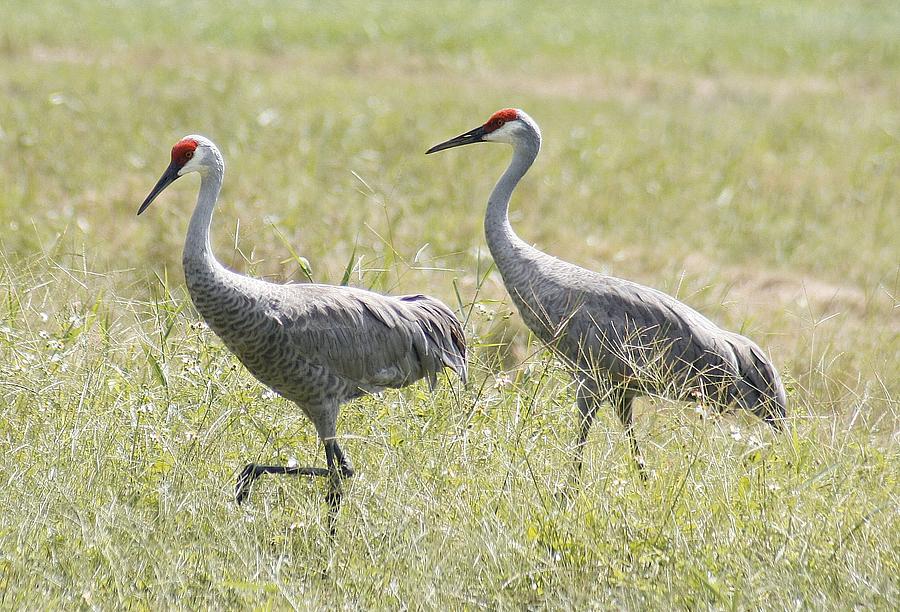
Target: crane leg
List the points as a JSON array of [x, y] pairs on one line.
[[252, 471], [588, 402], [339, 465], [622, 403], [336, 466], [324, 417], [343, 460]]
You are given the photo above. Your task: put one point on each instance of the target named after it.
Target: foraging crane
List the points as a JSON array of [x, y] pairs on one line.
[[317, 345], [620, 339]]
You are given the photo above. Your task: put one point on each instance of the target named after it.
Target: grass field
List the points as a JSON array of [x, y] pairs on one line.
[[744, 156]]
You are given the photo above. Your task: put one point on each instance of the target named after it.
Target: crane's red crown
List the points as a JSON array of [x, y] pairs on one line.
[[501, 117], [183, 150]]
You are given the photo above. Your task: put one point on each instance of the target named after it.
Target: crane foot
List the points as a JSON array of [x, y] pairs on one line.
[[244, 480]]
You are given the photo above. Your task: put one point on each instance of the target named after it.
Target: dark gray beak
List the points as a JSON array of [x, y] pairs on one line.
[[470, 137], [164, 181]]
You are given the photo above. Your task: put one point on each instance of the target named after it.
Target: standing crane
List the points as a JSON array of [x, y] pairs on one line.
[[316, 345], [620, 340]]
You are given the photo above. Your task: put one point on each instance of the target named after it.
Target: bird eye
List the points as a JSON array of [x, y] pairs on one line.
[[189, 155]]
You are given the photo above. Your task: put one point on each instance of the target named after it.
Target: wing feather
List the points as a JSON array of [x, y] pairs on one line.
[[373, 340], [635, 332]]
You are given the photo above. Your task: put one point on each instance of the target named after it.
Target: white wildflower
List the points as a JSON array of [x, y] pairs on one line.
[[501, 381]]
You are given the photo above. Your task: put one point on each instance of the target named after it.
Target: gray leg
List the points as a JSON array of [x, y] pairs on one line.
[[586, 396], [335, 494], [622, 403], [343, 462], [324, 417], [252, 471]]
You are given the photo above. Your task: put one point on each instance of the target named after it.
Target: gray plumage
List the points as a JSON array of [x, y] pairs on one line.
[[317, 345], [620, 339]]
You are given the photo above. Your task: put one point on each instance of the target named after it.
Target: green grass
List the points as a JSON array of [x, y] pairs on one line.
[[743, 156]]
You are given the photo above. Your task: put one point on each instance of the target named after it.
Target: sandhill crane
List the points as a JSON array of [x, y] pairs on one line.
[[317, 345], [620, 339]]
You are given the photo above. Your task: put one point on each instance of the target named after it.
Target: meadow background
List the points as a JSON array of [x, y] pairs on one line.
[[741, 155]]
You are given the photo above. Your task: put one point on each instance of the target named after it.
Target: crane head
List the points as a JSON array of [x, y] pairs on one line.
[[503, 126], [187, 156]]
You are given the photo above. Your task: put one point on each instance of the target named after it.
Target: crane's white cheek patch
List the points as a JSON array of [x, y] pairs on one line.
[[503, 133]]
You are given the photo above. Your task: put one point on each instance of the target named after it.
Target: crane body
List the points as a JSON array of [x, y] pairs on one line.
[[316, 345], [620, 340]]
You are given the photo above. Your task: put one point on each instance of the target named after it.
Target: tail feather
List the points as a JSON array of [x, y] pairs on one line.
[[443, 334], [759, 387]]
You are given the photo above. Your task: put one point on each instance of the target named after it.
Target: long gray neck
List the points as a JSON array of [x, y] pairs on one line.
[[197, 249], [502, 241]]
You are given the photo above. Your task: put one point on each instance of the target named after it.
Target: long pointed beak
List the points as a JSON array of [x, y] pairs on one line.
[[470, 137], [164, 181]]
